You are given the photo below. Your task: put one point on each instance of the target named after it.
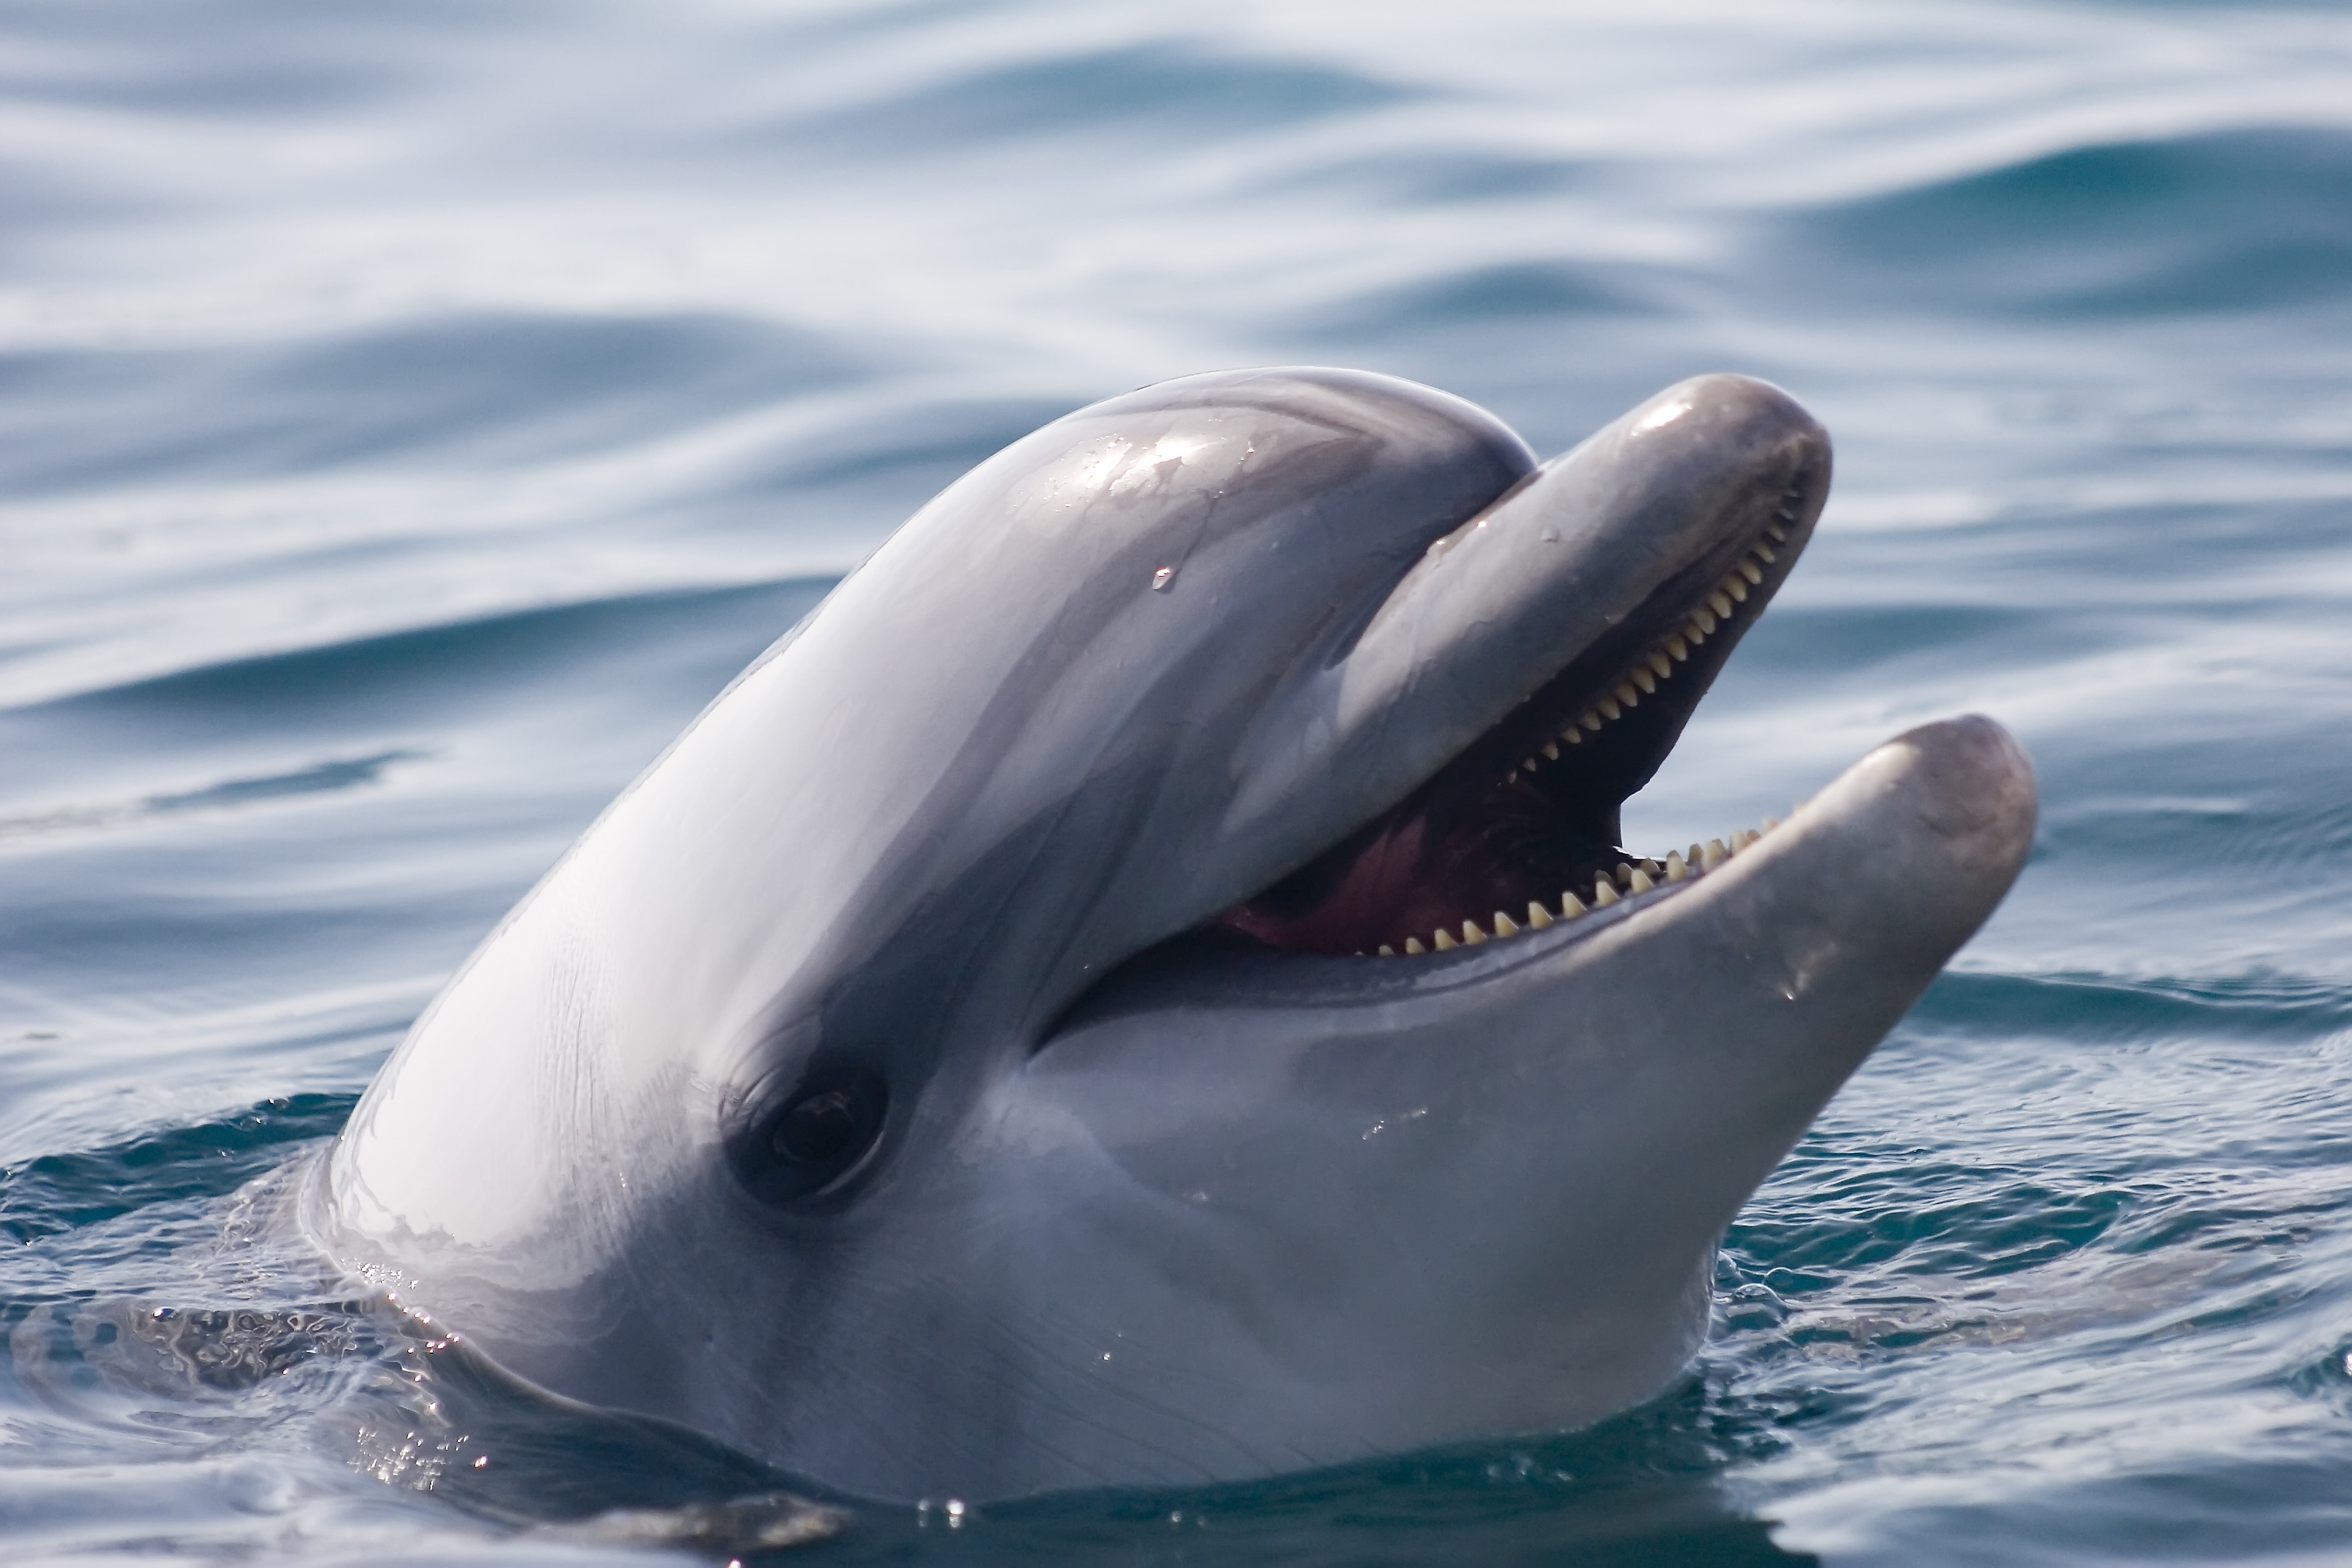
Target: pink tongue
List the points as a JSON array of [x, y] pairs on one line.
[[1398, 885]]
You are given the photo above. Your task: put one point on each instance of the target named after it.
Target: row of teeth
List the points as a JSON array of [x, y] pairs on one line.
[[1658, 664], [1640, 680], [1631, 877]]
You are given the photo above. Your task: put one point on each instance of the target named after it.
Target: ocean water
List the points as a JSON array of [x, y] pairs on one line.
[[410, 414]]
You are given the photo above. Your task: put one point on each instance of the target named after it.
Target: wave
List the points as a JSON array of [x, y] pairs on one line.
[[319, 778], [468, 389], [1504, 294], [2100, 1009], [653, 641], [2229, 221], [1133, 90], [1409, 177], [51, 1193]]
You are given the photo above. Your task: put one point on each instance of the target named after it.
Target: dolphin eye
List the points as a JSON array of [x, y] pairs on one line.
[[819, 1138]]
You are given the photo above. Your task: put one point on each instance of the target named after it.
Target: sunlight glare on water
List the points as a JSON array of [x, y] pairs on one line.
[[409, 416]]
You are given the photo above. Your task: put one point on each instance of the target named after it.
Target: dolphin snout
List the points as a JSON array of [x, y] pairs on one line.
[[1974, 791], [1940, 821]]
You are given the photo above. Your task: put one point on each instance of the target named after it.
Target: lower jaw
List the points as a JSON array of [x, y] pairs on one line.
[[1627, 879], [1502, 915]]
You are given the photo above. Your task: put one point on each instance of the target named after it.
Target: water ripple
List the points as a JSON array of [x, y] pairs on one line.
[[2242, 220]]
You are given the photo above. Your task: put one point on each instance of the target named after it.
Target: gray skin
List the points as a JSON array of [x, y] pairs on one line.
[[1144, 1210]]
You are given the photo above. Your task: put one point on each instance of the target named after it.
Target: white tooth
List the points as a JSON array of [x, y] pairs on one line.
[[1678, 647], [1627, 696], [1527, 765], [1762, 552], [1572, 735], [1737, 586], [1589, 720], [1769, 824], [1539, 917], [1504, 925], [1702, 625], [1512, 777], [1675, 869], [1551, 749], [1609, 708], [1444, 942], [1471, 935], [1720, 603], [1713, 855], [1743, 838], [1571, 906], [1660, 665], [1645, 680], [1603, 895], [1640, 881], [1779, 535], [1753, 572], [1412, 945], [1624, 874], [1387, 952]]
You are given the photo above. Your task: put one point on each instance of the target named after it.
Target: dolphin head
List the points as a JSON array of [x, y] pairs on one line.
[[1143, 984]]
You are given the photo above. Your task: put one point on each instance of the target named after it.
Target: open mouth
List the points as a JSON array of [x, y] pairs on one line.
[[1521, 830]]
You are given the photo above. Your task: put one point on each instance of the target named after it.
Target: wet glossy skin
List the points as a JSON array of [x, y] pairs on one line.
[[1136, 1209]]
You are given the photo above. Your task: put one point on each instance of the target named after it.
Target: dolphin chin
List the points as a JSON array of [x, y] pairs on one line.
[[1143, 985]]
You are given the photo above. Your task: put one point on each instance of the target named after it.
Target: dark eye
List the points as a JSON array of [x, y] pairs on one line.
[[819, 1138]]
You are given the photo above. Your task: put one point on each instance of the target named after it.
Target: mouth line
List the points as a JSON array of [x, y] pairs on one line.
[[1521, 831]]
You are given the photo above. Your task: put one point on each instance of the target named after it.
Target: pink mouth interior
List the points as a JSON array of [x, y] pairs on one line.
[[1443, 856]]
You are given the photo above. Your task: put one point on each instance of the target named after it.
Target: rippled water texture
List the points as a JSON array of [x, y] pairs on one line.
[[409, 414]]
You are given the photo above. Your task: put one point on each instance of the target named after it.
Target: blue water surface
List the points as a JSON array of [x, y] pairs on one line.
[[410, 415]]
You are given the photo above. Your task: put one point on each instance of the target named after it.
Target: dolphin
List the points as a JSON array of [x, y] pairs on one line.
[[1142, 986]]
